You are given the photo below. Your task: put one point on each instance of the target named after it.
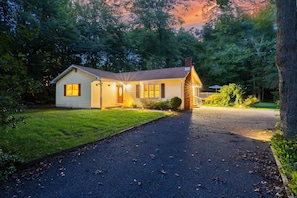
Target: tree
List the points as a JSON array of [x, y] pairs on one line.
[[102, 35], [286, 59], [152, 36], [240, 49], [14, 83]]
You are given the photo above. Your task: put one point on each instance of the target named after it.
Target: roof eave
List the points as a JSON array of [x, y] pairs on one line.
[[66, 71]]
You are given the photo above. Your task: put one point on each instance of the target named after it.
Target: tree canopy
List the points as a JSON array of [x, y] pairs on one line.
[[232, 47]]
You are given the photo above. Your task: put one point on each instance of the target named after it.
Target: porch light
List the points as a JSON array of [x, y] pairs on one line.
[[127, 86]]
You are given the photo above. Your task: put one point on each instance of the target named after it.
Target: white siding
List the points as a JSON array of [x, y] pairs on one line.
[[95, 94], [175, 88], [130, 95], [109, 94], [172, 88], [74, 77]]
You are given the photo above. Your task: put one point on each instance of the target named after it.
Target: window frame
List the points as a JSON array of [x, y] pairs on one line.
[[151, 90], [73, 91]]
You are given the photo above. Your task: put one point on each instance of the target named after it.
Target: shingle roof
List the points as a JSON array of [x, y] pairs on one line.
[[97, 72], [157, 74], [168, 73]]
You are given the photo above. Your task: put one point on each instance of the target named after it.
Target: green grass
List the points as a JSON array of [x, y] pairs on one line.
[[265, 105], [286, 153], [47, 132]]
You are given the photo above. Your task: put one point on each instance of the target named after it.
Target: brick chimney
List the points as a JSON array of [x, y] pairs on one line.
[[188, 62]]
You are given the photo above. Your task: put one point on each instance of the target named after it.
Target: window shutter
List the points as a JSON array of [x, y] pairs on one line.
[[64, 90], [137, 91], [78, 89], [162, 90]]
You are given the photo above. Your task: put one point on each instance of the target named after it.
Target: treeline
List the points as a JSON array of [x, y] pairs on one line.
[[39, 39]]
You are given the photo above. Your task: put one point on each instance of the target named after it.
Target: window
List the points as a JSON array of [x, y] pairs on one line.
[[151, 91], [72, 90]]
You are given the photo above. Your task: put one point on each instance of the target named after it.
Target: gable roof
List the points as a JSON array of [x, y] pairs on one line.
[[157, 74]]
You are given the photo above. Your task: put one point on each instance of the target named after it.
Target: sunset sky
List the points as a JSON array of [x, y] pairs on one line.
[[194, 17]]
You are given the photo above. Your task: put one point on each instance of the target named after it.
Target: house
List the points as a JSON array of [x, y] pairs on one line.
[[84, 87]]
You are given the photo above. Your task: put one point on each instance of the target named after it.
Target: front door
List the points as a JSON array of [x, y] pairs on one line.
[[120, 93]]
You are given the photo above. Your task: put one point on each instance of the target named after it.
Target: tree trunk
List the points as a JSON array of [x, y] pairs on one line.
[[286, 60]]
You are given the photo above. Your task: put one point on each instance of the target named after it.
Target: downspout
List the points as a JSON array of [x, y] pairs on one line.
[[100, 82], [182, 94]]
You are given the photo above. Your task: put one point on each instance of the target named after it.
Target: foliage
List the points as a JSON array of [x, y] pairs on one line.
[[53, 34], [231, 92], [68, 129], [250, 100], [7, 165], [213, 99], [241, 49], [14, 83], [147, 103], [228, 93], [175, 102], [286, 151], [161, 105], [293, 183], [150, 103]]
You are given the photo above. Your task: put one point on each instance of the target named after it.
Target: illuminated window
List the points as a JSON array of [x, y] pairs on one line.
[[157, 91], [152, 91], [72, 90], [145, 91]]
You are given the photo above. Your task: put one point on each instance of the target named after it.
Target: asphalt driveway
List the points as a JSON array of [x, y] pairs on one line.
[[207, 152]]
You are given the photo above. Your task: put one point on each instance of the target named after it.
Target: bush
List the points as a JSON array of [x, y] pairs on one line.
[[213, 99], [147, 103], [175, 102], [231, 92], [293, 183], [250, 100], [161, 105], [7, 165], [286, 152], [228, 94]]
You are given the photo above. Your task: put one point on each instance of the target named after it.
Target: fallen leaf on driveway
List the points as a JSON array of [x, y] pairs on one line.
[[163, 171], [152, 156]]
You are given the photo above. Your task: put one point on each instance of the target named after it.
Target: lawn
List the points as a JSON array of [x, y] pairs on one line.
[[265, 105], [47, 132]]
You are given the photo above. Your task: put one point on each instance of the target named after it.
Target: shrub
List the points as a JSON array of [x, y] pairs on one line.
[[286, 152], [7, 165], [250, 100], [161, 105], [213, 99], [175, 102], [231, 92], [293, 183], [228, 93], [147, 103]]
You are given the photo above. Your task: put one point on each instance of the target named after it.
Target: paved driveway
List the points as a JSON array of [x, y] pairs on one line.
[[209, 152]]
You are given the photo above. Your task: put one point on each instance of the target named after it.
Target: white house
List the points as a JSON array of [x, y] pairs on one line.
[[84, 87]]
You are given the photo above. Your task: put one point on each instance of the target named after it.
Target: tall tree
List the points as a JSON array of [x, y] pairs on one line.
[[102, 41], [155, 21], [286, 59], [240, 49]]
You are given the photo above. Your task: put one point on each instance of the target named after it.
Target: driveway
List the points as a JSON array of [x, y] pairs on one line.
[[207, 152]]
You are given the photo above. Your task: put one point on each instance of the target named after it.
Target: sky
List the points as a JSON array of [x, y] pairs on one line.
[[194, 17]]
